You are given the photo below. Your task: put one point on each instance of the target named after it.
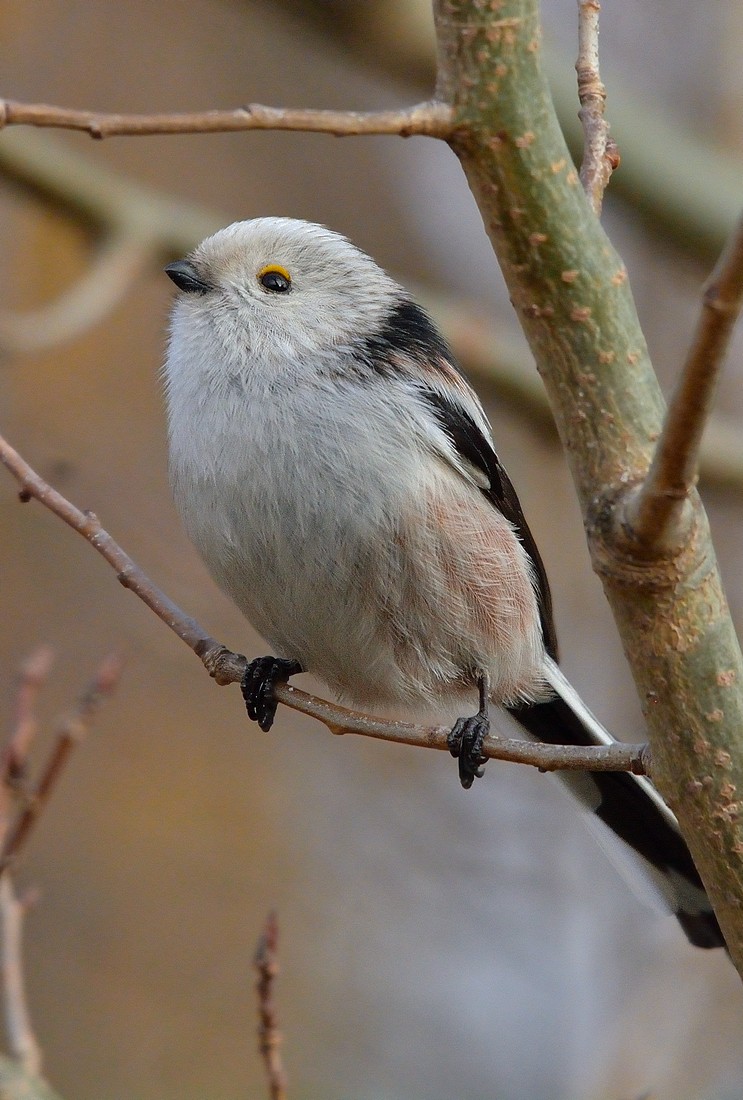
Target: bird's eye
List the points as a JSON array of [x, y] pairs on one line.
[[275, 278]]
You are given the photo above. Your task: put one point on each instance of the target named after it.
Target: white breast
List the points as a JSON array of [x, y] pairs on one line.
[[323, 511]]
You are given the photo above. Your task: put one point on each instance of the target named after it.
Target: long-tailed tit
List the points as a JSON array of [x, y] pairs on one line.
[[338, 476]]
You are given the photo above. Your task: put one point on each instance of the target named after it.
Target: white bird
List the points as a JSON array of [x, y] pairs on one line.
[[338, 476]]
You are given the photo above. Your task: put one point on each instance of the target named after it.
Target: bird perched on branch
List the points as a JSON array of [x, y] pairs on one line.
[[338, 476]]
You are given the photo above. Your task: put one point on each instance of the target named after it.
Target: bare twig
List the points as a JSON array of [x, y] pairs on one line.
[[70, 732], [22, 1041], [428, 119], [618, 757], [269, 1035], [88, 525], [655, 515], [600, 154], [32, 676], [227, 667]]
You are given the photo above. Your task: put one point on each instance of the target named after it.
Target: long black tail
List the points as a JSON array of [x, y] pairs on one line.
[[629, 805]]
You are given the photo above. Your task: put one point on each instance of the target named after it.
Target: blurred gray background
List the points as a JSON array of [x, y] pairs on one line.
[[434, 943]]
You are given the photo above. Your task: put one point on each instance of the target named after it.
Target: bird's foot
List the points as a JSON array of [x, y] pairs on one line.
[[258, 683], [465, 743], [466, 738]]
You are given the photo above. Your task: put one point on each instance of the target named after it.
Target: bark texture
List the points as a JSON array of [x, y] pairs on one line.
[[572, 295]]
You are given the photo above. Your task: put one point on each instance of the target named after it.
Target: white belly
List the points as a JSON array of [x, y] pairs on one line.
[[348, 564]]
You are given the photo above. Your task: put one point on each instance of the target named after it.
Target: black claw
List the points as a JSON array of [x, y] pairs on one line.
[[260, 678], [465, 743]]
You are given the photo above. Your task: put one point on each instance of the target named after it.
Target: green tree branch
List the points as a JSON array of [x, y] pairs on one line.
[[572, 296]]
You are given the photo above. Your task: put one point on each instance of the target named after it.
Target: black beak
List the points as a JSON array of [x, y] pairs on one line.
[[186, 277]]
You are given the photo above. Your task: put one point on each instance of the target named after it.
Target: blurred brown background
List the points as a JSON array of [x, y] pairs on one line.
[[435, 944]]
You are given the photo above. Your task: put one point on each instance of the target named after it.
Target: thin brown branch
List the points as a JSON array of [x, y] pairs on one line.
[[70, 731], [618, 757], [269, 1034], [600, 155], [87, 524], [427, 119], [22, 1041], [655, 516], [21, 1038], [32, 676], [227, 667]]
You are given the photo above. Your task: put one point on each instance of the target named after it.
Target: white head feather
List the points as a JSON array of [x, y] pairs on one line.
[[337, 292]]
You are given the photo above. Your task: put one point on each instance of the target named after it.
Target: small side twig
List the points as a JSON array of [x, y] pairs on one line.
[[22, 1041], [70, 732], [655, 514], [427, 119], [227, 667], [32, 676], [269, 1034], [88, 525], [600, 153]]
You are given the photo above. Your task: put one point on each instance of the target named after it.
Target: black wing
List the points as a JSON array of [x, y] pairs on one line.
[[476, 448], [409, 337]]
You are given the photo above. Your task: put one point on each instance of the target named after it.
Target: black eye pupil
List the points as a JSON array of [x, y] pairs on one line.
[[274, 280]]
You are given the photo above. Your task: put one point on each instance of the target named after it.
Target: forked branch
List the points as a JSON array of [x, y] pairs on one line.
[[69, 733]]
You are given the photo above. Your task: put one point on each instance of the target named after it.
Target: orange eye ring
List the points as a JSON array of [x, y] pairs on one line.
[[275, 278]]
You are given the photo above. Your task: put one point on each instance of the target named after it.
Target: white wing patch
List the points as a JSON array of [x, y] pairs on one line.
[[600, 735]]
